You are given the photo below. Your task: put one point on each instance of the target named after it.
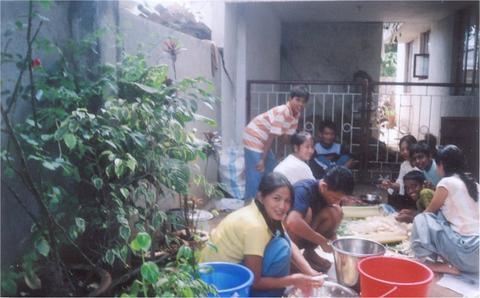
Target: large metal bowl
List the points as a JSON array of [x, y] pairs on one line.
[[328, 289], [347, 253]]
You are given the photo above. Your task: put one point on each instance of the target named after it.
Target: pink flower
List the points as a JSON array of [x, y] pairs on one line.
[[36, 63]]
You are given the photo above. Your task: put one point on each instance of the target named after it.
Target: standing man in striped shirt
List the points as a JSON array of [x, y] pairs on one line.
[[259, 134]]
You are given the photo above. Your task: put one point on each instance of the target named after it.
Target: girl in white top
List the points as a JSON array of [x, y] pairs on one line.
[[405, 167], [449, 227], [294, 166]]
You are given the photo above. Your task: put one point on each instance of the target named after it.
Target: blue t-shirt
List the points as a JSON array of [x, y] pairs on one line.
[[307, 194], [432, 174]]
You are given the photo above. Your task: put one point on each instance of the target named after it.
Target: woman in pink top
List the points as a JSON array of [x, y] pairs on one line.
[[449, 227]]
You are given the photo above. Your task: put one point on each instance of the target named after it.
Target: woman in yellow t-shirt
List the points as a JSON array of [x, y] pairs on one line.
[[254, 236]]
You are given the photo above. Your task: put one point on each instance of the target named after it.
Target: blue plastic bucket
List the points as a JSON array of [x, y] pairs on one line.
[[228, 278]]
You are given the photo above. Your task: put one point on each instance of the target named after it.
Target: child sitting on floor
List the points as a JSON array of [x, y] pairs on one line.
[[449, 227], [328, 153], [414, 190]]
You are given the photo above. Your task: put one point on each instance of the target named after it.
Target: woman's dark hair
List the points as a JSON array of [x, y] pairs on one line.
[[414, 175], [453, 161], [339, 179], [299, 138], [300, 91], [273, 181], [268, 185], [409, 139], [431, 140]]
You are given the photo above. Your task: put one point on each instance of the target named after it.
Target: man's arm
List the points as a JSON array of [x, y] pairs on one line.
[[266, 148], [298, 226]]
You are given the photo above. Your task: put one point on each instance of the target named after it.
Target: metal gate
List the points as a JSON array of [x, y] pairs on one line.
[[370, 117]]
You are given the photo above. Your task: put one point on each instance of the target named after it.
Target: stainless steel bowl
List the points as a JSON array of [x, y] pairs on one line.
[[347, 252], [328, 289]]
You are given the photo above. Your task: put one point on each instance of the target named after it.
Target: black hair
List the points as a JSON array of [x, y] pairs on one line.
[[431, 140], [299, 138], [414, 175], [339, 179], [273, 181], [409, 139], [453, 161], [270, 183], [300, 91], [327, 124], [420, 147]]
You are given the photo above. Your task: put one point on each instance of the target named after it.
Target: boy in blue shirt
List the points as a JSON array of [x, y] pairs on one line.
[[316, 214], [328, 153]]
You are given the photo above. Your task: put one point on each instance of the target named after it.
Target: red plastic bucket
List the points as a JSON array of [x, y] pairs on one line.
[[393, 277]]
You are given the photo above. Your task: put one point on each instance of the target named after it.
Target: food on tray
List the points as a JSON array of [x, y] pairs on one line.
[[384, 229]]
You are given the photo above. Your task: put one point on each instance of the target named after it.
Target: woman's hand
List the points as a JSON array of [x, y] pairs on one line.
[[306, 283]]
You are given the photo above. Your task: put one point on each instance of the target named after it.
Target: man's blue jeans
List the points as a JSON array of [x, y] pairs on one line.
[[252, 175]]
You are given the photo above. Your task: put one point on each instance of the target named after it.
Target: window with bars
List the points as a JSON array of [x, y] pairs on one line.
[[467, 54]]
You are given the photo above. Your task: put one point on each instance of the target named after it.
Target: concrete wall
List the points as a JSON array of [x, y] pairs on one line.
[[199, 58], [421, 108], [252, 51], [330, 51], [15, 223], [440, 50]]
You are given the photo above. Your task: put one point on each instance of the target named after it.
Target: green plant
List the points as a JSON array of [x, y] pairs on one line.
[[179, 278], [102, 146], [389, 60]]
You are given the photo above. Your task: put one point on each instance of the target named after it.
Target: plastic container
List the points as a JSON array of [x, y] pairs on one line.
[[347, 253], [200, 218], [230, 280], [393, 277]]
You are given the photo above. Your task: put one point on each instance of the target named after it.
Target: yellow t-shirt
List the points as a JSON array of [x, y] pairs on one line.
[[243, 232]]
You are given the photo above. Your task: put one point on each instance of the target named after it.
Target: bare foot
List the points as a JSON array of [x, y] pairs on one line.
[[442, 268]]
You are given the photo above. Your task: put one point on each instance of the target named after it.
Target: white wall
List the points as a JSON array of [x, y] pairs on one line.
[[263, 42], [330, 51], [440, 50], [252, 51], [422, 108]]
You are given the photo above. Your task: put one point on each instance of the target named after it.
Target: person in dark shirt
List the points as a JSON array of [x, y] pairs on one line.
[[316, 214]]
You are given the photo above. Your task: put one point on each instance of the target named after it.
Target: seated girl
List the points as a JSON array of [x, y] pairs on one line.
[[295, 166], [254, 236], [449, 227], [398, 199]]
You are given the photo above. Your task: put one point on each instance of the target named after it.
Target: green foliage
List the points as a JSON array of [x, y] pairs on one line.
[[176, 279], [103, 144], [389, 61]]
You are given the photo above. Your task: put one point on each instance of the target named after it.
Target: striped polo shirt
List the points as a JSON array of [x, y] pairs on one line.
[[277, 121]]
